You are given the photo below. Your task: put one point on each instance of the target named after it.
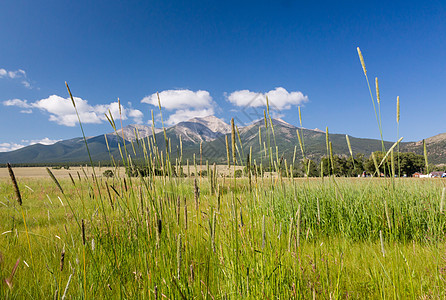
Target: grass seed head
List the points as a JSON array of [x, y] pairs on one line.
[[160, 226], [83, 232], [71, 96], [233, 141], [349, 145], [14, 183], [361, 58], [425, 156], [55, 180], [300, 117], [62, 259], [377, 90]]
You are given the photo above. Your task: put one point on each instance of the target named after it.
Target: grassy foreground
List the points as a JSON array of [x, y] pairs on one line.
[[157, 237]]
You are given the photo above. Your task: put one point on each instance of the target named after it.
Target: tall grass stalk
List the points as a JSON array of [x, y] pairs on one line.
[[361, 58], [19, 201], [425, 156], [398, 132], [443, 192]]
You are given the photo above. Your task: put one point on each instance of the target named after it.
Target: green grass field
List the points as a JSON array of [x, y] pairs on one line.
[[150, 238], [223, 237]]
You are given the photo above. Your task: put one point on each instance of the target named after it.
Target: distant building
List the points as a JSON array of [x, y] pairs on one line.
[[437, 174]]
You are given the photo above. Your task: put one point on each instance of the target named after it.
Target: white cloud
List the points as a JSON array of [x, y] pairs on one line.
[[136, 115], [62, 112], [187, 114], [18, 74], [279, 98], [184, 104], [44, 141], [6, 147], [18, 103], [180, 99]]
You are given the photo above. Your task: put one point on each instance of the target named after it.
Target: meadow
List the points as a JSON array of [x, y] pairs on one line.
[[284, 238], [160, 234]]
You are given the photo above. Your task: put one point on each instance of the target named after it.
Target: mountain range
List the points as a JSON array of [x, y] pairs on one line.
[[210, 132]]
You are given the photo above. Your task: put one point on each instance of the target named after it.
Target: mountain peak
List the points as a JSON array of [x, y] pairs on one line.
[[131, 130], [283, 122], [213, 123]]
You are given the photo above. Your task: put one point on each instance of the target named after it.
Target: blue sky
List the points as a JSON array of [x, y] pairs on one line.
[[215, 57]]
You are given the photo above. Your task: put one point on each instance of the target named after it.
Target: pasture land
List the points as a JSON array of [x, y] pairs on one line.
[[222, 238]]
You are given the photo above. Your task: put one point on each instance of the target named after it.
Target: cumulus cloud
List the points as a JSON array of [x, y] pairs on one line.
[[44, 141], [18, 103], [18, 74], [180, 99], [187, 114], [183, 104], [62, 112], [136, 115], [279, 98], [6, 147]]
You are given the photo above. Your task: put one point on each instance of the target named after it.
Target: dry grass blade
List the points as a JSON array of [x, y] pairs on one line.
[[389, 151], [442, 199], [179, 256], [14, 183], [375, 163], [297, 217], [8, 281], [66, 287], [381, 239]]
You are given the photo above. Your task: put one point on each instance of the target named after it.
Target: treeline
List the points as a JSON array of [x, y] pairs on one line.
[[402, 164]]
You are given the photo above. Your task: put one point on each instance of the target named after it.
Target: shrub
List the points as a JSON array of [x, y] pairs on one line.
[[108, 173]]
